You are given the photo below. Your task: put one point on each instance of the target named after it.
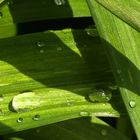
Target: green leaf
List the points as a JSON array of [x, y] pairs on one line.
[[50, 9], [58, 107], [125, 12], [59, 67], [123, 123], [122, 43], [64, 58], [7, 26], [76, 129], [1, 1]]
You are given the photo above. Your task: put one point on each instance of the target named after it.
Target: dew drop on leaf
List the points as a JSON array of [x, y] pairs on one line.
[[69, 102], [19, 120], [59, 49], [103, 132], [132, 104], [84, 113], [92, 32], [59, 2], [42, 51], [1, 98], [40, 44], [36, 117], [100, 95], [25, 101], [113, 87]]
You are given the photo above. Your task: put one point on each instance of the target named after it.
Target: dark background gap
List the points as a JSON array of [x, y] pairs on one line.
[[55, 24]]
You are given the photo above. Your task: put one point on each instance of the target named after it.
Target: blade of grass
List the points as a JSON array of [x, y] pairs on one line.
[[122, 43]]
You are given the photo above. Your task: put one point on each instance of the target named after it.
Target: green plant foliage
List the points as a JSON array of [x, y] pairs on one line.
[[54, 84], [127, 13], [122, 42], [48, 9], [76, 129], [7, 26], [51, 76]]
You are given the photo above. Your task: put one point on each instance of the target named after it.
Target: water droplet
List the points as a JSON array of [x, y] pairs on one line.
[[84, 113], [1, 98], [92, 32], [59, 2], [19, 120], [103, 132], [36, 117], [25, 101], [132, 104], [41, 43], [69, 102], [113, 87], [1, 15], [42, 51], [100, 95], [107, 98], [102, 92], [59, 49]]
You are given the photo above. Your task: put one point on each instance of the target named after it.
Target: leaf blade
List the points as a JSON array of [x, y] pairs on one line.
[[121, 41], [77, 129]]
